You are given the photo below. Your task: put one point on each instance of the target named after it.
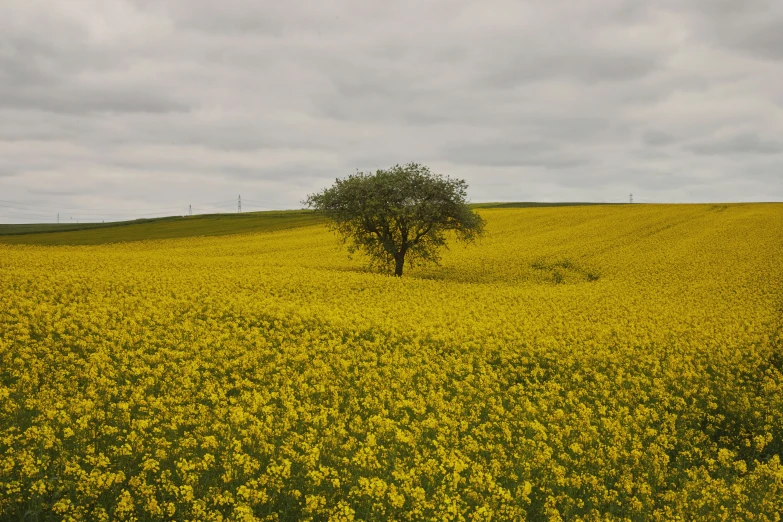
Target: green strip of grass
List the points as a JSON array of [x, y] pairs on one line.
[[38, 228], [159, 228]]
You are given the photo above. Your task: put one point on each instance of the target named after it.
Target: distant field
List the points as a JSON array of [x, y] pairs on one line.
[[590, 363], [533, 204], [176, 226], [35, 228], [159, 228]]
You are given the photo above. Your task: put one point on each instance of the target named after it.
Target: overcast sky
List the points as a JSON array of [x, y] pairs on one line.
[[119, 108]]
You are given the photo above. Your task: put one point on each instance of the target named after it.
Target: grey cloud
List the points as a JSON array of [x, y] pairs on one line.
[[231, 19], [654, 137], [766, 39], [75, 99], [514, 153], [750, 26], [53, 192], [747, 143], [583, 66], [64, 72]]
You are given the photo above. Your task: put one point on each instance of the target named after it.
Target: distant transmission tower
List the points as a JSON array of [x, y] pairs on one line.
[[630, 198], [190, 210], [239, 203]]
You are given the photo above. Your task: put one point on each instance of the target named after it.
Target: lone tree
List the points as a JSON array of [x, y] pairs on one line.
[[398, 212]]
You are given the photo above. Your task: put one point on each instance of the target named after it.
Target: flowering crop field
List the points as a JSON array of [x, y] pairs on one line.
[[577, 363]]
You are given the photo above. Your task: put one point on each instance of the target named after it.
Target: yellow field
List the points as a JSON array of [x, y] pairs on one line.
[[583, 363]]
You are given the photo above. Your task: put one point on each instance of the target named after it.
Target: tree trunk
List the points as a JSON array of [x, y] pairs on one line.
[[399, 262]]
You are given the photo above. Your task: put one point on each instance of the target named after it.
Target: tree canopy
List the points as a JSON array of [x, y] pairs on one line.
[[398, 214]]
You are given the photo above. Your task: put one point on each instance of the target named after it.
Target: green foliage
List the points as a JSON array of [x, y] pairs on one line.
[[399, 213], [564, 270]]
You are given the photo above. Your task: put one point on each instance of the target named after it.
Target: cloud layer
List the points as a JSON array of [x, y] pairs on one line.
[[127, 106]]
